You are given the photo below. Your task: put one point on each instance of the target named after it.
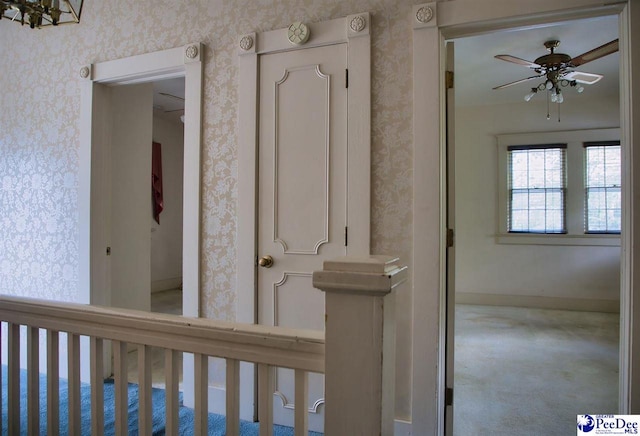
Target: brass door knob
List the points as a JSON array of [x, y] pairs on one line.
[[266, 261]]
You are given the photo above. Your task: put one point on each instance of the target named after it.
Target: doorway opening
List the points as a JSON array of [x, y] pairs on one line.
[[166, 226], [537, 315], [96, 176]]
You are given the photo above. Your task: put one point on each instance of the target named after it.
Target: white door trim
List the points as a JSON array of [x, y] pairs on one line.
[[353, 30], [464, 17], [177, 62], [93, 237]]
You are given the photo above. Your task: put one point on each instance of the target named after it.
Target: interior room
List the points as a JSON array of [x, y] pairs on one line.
[[537, 315]]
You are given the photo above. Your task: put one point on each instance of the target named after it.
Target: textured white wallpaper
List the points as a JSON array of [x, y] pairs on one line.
[[39, 135]]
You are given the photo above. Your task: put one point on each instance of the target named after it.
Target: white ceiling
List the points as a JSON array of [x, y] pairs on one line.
[[477, 71], [164, 105]]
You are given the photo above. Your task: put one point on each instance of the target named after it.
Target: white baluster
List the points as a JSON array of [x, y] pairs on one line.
[[144, 390], [73, 349], [265, 399], [201, 392], [53, 383], [122, 393], [171, 393], [97, 386], [13, 379], [233, 397], [301, 425], [33, 381]]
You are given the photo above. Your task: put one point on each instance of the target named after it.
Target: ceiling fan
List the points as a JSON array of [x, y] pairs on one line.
[[558, 69]]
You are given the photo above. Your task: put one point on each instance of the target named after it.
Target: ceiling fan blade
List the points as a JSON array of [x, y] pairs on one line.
[[596, 53], [516, 60], [518, 81], [582, 77]]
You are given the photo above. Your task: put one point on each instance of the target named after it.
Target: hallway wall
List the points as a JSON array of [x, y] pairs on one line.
[[166, 237], [39, 160]]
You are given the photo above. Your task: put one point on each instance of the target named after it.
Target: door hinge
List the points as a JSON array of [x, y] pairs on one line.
[[448, 79], [450, 236], [346, 236], [448, 397], [108, 251], [346, 78]]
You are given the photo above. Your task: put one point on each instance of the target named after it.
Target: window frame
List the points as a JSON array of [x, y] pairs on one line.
[[575, 201], [586, 146], [562, 189]]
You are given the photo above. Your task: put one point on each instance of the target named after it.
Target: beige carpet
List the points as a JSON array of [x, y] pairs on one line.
[[531, 371]]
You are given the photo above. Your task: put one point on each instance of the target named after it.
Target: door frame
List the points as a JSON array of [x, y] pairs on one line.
[[354, 30], [94, 207], [432, 24]]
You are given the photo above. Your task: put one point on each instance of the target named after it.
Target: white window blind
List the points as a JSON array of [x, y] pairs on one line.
[[603, 198], [537, 188]]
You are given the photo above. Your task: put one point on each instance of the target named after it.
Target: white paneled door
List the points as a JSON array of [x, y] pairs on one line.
[[302, 196]]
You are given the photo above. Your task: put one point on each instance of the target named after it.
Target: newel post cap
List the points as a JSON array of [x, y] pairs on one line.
[[368, 275]]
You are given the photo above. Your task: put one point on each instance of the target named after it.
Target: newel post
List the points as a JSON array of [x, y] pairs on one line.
[[360, 343]]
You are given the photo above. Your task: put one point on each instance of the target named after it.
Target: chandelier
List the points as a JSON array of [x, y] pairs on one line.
[[41, 13]]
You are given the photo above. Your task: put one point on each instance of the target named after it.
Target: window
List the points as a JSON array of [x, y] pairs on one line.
[[602, 187], [537, 187], [559, 188]]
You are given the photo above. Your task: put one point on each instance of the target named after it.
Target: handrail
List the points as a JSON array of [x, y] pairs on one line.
[[277, 346], [355, 352]]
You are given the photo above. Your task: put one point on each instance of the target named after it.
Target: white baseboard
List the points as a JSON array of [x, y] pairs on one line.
[[559, 303], [402, 428], [166, 284], [217, 401]]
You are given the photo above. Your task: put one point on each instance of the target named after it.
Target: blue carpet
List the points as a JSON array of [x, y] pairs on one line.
[[217, 423]]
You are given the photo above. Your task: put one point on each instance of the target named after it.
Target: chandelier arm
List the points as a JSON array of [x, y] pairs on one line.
[[41, 13]]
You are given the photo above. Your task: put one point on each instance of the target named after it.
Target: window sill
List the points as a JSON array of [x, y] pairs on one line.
[[604, 240]]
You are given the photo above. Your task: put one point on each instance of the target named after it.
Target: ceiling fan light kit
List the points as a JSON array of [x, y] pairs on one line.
[[557, 71]]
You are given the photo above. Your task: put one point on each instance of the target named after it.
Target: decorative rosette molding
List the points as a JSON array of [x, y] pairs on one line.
[[85, 72], [191, 52], [298, 33], [358, 24], [424, 15], [247, 43]]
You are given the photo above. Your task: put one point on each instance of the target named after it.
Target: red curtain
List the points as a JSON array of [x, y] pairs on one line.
[[156, 180]]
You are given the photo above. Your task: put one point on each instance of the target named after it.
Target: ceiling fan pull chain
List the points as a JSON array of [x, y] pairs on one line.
[[548, 114], [558, 111]]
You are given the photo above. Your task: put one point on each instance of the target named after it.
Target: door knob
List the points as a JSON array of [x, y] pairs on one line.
[[266, 261]]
